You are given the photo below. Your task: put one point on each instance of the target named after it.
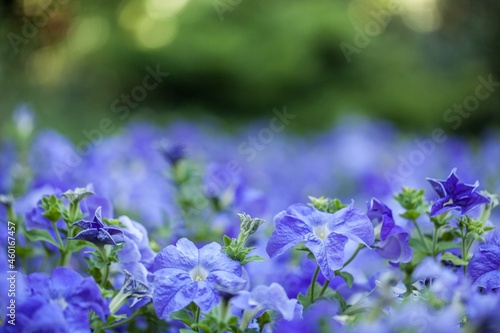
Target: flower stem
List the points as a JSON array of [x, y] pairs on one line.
[[360, 246], [325, 286], [313, 282], [66, 253], [464, 249], [105, 257], [421, 236], [247, 318], [224, 307], [117, 302], [61, 244], [11, 213], [434, 240], [123, 322]]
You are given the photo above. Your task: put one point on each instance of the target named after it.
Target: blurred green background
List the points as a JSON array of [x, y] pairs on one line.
[[239, 59]]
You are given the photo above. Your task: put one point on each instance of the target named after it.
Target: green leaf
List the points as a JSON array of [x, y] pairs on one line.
[[418, 256], [329, 293], [112, 318], [184, 316], [443, 246], [202, 326], [417, 245], [336, 296], [40, 235], [302, 247], [304, 300], [78, 245], [52, 208], [410, 215], [227, 240], [252, 259], [185, 330], [263, 320], [447, 236], [476, 236], [347, 277], [233, 321], [454, 259]]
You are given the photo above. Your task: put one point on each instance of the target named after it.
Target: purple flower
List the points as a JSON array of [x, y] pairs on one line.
[[95, 231], [184, 274], [444, 281], [36, 220], [319, 317], [264, 298], [454, 195], [58, 303], [136, 256], [484, 267], [482, 312], [173, 153], [324, 234], [137, 291], [393, 238]]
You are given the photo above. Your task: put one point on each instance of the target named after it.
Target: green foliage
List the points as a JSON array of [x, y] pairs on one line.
[[326, 204], [184, 316], [248, 226], [36, 235], [264, 319], [77, 195], [53, 208], [413, 201], [328, 293], [349, 279], [235, 248], [238, 251], [454, 259]]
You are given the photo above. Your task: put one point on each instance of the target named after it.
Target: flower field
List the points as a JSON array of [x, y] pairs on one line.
[[186, 227]]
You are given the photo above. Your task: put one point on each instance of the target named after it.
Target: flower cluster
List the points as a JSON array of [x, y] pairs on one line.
[[142, 236]]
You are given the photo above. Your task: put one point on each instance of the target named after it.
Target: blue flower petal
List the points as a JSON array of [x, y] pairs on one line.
[[490, 281], [183, 255], [49, 318], [104, 238], [300, 210], [437, 186], [455, 195], [88, 296], [206, 297], [289, 232], [226, 282], [352, 223], [395, 247], [334, 245], [485, 260], [242, 300], [172, 293], [329, 253], [77, 320], [41, 284], [83, 224], [64, 279], [213, 259], [275, 298], [114, 231]]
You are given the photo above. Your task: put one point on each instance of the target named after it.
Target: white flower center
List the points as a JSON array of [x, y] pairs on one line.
[[448, 203], [61, 302], [321, 231], [198, 273]]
